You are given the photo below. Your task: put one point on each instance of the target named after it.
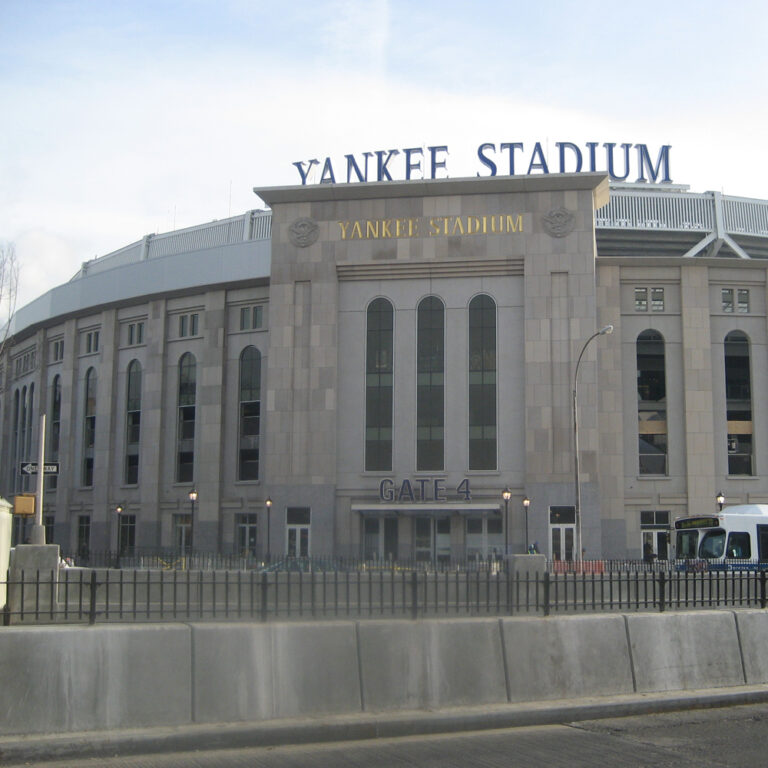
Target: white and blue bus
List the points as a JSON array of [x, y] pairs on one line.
[[733, 539]]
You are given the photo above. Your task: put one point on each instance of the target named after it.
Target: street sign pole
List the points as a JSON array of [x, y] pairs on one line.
[[38, 530]]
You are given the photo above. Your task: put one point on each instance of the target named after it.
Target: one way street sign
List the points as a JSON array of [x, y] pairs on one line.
[[31, 468]]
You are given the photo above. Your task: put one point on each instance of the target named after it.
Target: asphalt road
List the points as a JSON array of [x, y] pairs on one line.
[[733, 736]]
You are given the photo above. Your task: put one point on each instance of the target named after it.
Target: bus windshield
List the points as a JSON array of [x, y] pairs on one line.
[[687, 543], [712, 544]]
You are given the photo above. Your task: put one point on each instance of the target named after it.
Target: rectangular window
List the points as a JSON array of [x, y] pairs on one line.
[[57, 350], [48, 524], [657, 299], [132, 469], [83, 536], [88, 472], [641, 299], [185, 467], [188, 324], [743, 300], [251, 317], [135, 333], [727, 299], [90, 342]]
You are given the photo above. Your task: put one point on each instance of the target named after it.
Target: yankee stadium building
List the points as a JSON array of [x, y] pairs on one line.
[[388, 369]]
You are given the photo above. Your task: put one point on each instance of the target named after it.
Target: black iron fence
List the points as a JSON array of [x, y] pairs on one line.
[[88, 595], [173, 559]]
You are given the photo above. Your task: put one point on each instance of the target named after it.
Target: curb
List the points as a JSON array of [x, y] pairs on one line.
[[145, 741]]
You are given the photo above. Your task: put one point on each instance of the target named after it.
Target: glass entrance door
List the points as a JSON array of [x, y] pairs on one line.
[[561, 541], [432, 539], [380, 538], [297, 531], [562, 533], [183, 532]]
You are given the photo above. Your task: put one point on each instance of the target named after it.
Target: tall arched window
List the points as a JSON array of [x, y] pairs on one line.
[[30, 418], [89, 426], [250, 414], [738, 399], [482, 383], [430, 384], [23, 426], [379, 385], [15, 478], [651, 404], [185, 437], [132, 422], [55, 428]]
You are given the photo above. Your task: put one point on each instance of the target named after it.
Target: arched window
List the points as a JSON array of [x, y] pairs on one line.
[[651, 404], [54, 427], [430, 384], [132, 422], [89, 426], [482, 383], [185, 436], [250, 414], [15, 478], [30, 419], [738, 403], [379, 385]]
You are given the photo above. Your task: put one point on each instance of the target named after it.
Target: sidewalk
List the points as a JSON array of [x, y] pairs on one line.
[[15, 750]]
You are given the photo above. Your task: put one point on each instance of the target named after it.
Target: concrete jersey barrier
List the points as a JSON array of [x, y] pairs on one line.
[[69, 679]]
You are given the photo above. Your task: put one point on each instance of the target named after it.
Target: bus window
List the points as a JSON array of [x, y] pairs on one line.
[[738, 546], [712, 544], [762, 542], [687, 542]]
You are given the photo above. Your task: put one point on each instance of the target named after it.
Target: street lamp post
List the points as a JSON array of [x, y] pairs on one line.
[[720, 499], [119, 511], [526, 504], [268, 505], [506, 494], [192, 500], [606, 329]]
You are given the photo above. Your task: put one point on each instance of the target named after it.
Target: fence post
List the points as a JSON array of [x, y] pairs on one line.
[[762, 589], [264, 596], [92, 602], [662, 590], [546, 593], [414, 595]]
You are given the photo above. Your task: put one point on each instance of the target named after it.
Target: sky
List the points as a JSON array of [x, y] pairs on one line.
[[124, 118]]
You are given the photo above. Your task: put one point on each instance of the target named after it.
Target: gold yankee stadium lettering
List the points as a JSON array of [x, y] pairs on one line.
[[434, 226]]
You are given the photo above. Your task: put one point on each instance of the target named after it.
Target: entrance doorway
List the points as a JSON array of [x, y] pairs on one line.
[[562, 532], [380, 538], [432, 539], [182, 533], [297, 531]]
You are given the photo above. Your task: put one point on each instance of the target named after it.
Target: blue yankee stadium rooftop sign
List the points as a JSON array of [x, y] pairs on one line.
[[621, 162]]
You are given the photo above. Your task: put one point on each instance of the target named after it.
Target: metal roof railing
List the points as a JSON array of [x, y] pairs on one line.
[[652, 209], [683, 212], [252, 225]]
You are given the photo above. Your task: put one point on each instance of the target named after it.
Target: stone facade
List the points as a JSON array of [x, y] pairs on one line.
[[530, 245]]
